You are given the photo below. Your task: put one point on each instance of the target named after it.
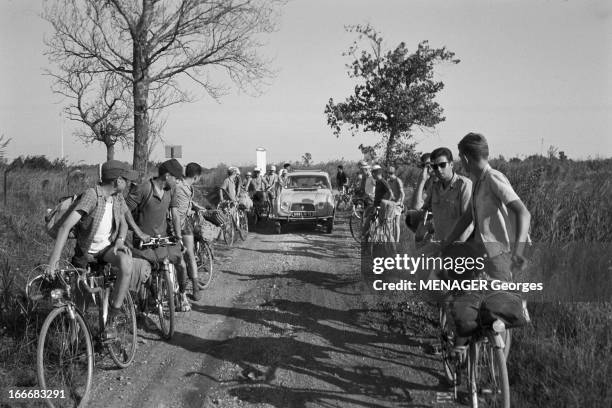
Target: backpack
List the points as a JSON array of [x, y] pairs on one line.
[[56, 216]]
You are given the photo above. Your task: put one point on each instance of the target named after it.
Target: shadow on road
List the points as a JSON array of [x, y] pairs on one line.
[[340, 334]]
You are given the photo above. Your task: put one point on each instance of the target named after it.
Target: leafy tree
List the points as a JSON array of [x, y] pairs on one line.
[[155, 44], [307, 159], [395, 93]]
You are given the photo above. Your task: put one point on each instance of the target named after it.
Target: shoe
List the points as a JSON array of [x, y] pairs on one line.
[[110, 330], [185, 305], [197, 295]]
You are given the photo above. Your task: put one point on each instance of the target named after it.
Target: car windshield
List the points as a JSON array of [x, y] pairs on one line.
[[307, 182]]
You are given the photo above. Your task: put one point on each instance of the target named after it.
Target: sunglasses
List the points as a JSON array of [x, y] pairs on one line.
[[442, 165]]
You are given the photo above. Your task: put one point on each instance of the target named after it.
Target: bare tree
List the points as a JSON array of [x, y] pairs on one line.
[[152, 44]]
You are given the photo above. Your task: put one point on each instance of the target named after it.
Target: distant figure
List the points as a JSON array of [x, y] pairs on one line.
[[227, 191], [397, 187], [341, 180]]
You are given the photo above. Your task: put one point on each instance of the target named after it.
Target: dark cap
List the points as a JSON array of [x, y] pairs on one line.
[[171, 166], [114, 169]]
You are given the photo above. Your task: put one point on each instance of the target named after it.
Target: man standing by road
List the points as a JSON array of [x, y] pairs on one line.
[[150, 204], [366, 189], [382, 191], [227, 191], [341, 180], [271, 182], [397, 187]]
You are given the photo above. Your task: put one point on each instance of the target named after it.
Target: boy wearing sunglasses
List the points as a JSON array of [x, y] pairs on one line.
[[449, 197]]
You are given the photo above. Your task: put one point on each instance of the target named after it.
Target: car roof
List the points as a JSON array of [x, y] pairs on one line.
[[308, 173]]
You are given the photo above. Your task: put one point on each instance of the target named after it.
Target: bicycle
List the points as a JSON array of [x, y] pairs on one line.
[[203, 250], [237, 221], [356, 218], [65, 350], [344, 200], [162, 293], [379, 231], [262, 207]]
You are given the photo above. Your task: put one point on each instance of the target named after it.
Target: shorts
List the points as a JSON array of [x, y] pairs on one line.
[[187, 228], [81, 260], [141, 272], [157, 255]]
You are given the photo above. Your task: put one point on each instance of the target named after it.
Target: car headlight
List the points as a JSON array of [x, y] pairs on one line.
[[321, 204], [284, 206]]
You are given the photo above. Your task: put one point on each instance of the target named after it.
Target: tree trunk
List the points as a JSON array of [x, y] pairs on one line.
[[141, 125], [390, 143], [140, 74], [110, 152]]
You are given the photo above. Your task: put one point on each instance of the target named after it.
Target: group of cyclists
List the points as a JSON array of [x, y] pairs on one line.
[[480, 214], [483, 209], [256, 186], [103, 215]]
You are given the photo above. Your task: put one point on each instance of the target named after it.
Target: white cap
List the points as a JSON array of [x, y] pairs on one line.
[[256, 169], [273, 168], [376, 167]]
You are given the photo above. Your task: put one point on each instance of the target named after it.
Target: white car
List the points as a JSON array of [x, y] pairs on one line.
[[306, 198]]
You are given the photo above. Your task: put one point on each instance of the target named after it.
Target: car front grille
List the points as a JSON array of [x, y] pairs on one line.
[[302, 207]]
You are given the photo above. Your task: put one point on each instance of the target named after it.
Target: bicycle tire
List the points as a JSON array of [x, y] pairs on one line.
[[75, 394], [204, 261], [228, 232], [355, 225], [488, 375], [165, 304], [446, 348], [243, 225], [123, 349]]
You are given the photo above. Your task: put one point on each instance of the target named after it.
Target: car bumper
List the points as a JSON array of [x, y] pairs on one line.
[[290, 219]]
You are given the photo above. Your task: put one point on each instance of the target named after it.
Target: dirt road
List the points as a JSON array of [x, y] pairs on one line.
[[285, 324]]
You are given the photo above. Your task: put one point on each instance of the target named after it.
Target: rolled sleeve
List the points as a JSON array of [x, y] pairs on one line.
[[134, 197], [88, 201]]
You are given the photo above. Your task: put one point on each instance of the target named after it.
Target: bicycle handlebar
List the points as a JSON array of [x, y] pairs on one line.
[[156, 242]]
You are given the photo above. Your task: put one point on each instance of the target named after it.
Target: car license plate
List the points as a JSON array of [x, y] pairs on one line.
[[302, 214]]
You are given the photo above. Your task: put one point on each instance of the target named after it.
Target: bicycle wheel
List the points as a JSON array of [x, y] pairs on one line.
[[64, 358], [204, 260], [447, 342], [356, 222], [165, 304], [243, 225], [488, 373], [123, 349], [228, 231]]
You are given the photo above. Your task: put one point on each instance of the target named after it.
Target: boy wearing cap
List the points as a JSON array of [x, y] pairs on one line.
[[271, 181], [100, 234], [151, 202]]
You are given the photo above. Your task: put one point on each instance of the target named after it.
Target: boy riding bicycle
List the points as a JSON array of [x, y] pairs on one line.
[[150, 202], [100, 230], [501, 224]]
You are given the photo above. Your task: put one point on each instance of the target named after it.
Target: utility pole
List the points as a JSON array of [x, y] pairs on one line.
[[62, 134], [541, 146]]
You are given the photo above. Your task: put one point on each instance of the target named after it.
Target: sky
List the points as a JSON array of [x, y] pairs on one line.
[[533, 74]]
